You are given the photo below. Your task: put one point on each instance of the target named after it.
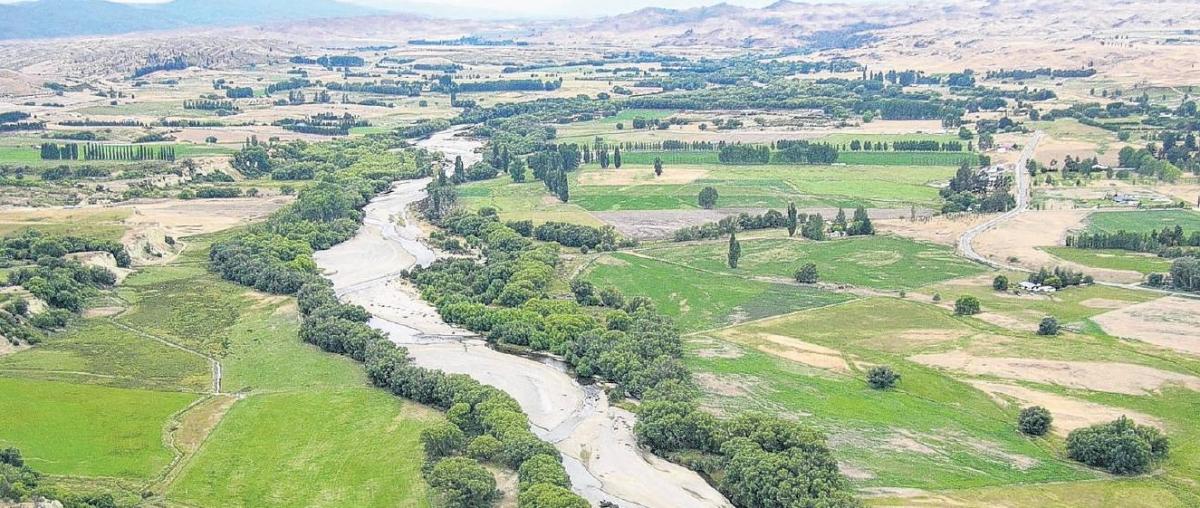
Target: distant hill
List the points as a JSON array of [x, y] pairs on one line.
[[63, 18]]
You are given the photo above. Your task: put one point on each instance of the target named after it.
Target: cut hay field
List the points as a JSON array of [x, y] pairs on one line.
[[880, 262], [769, 186], [861, 158]]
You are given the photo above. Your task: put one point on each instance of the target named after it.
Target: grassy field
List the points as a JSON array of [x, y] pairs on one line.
[[1144, 221], [99, 223], [522, 201], [156, 109], [306, 429], [87, 430], [701, 300], [768, 186], [584, 132], [881, 262], [1070, 305], [357, 447], [31, 155], [1113, 259]]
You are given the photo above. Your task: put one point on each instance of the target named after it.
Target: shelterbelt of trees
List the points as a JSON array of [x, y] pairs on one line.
[[758, 460], [276, 256]]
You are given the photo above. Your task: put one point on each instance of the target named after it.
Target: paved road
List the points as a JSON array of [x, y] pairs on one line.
[[1023, 183]]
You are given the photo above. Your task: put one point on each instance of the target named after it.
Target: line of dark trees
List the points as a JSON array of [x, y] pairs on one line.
[[1059, 278], [504, 85], [340, 61], [1168, 242], [926, 145], [407, 89], [239, 92], [87, 122], [1044, 71], [102, 152], [209, 104], [323, 124], [288, 84]]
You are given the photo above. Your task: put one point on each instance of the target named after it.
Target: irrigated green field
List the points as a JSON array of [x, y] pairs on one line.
[[701, 300], [1113, 259], [864, 158], [1144, 221], [880, 262], [769, 186]]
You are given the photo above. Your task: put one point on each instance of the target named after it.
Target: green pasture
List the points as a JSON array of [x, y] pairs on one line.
[[1112, 259]]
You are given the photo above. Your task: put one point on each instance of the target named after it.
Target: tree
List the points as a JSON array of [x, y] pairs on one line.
[[562, 187], [1000, 283], [458, 164], [516, 169], [1119, 447], [861, 225], [542, 469], [1034, 421], [442, 440], [839, 222], [551, 496], [463, 483], [791, 219], [966, 306], [814, 227], [658, 166], [1048, 326], [882, 377], [735, 250], [707, 198], [616, 158], [807, 274]]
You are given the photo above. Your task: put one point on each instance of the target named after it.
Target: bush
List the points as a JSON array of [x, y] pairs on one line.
[[463, 483], [966, 306], [1157, 280], [1119, 447], [542, 469], [882, 377], [1048, 326], [550, 496], [807, 274], [1034, 420], [1000, 283], [442, 440], [484, 448], [707, 199]]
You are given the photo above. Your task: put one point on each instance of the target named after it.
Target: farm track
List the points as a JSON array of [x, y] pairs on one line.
[[216, 365]]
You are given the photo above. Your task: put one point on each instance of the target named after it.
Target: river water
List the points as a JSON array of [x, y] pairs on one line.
[[596, 440]]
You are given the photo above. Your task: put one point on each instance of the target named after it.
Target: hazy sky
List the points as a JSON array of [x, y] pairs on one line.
[[524, 8]]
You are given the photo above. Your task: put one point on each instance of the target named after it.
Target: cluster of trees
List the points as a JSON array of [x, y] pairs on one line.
[[340, 61], [503, 85], [744, 154], [323, 124], [288, 84], [12, 121], [239, 92], [103, 152], [1168, 242], [1148, 163], [1185, 274], [423, 128], [88, 122], [21, 484], [604, 238], [65, 172], [385, 87], [771, 219], [171, 64], [1119, 447], [973, 191], [1059, 278], [804, 152]]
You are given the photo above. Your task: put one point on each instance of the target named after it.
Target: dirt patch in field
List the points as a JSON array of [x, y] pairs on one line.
[[1103, 303], [942, 229], [930, 336], [8, 348], [1170, 322], [725, 386], [96, 312], [854, 472], [793, 349], [155, 227], [643, 175], [906, 442], [1004, 321], [1069, 413], [198, 423], [713, 348], [1123, 378]]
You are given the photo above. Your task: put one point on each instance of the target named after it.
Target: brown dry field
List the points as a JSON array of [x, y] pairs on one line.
[[1170, 322], [1017, 242]]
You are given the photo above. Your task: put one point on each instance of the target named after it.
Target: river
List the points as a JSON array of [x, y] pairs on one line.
[[596, 440]]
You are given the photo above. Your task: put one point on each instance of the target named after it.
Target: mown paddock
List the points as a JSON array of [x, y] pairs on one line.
[[1112, 259], [1143, 221], [881, 262]]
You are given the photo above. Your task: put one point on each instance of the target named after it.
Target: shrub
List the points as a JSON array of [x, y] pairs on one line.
[[1048, 326], [882, 377], [551, 496], [1119, 447], [542, 469], [441, 440], [1157, 280], [1034, 420], [707, 199], [966, 306], [1000, 283], [807, 274], [485, 448]]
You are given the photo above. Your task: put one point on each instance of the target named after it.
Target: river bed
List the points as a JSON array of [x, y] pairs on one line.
[[597, 442]]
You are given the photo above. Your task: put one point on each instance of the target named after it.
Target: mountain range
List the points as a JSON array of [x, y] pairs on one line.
[[63, 18]]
